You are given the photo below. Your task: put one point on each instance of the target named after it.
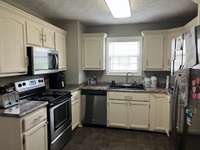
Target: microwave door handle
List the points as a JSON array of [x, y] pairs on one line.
[[56, 58]]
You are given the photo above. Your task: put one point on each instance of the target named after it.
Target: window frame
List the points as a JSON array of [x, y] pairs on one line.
[[124, 39]]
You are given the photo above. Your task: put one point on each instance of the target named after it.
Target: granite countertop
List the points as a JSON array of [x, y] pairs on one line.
[[104, 87], [148, 90], [73, 88], [25, 107]]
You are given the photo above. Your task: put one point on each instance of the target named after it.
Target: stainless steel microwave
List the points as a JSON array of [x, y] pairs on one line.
[[42, 60]]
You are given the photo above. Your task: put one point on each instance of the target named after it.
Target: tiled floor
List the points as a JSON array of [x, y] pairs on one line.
[[116, 139]]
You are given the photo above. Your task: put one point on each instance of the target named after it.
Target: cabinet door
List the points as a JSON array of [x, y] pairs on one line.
[[61, 48], [34, 33], [160, 114], [154, 52], [75, 114], [118, 113], [12, 43], [36, 138], [139, 115], [93, 57], [48, 38]]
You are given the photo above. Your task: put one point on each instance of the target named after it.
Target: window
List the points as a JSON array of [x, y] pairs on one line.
[[123, 55]]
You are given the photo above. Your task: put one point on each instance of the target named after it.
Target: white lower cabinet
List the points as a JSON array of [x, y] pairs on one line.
[[138, 115], [36, 138], [26, 133], [75, 109], [128, 110], [160, 113], [118, 113], [144, 111]]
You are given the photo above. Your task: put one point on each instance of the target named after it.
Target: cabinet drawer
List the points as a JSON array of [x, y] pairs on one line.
[[34, 119], [128, 96], [160, 96]]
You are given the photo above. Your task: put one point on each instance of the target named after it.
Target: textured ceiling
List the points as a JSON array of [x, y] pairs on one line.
[[97, 12]]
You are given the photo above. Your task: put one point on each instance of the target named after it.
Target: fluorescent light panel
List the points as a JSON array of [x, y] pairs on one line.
[[119, 8]]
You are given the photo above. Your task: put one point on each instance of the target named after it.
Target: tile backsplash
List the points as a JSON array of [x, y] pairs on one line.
[[102, 77]]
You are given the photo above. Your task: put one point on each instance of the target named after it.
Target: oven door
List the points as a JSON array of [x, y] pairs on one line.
[[60, 118]]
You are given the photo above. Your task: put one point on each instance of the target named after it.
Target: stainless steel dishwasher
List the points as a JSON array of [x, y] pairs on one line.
[[94, 107]]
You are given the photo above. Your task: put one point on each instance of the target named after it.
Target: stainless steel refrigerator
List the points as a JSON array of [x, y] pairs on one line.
[[186, 110]]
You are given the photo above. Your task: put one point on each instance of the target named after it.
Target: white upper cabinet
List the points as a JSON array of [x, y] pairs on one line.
[[12, 43], [48, 38], [61, 48], [34, 33], [154, 51], [93, 51], [39, 35]]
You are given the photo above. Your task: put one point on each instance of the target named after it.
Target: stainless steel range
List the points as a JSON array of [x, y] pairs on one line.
[[59, 109]]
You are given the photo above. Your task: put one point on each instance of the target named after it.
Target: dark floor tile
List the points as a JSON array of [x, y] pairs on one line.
[[88, 138]]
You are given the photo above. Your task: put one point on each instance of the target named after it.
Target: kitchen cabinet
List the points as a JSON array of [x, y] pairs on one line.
[[117, 113], [26, 133], [154, 50], [39, 35], [36, 138], [128, 110], [13, 59], [160, 112], [139, 115], [61, 48], [34, 33], [76, 109], [93, 51], [48, 38]]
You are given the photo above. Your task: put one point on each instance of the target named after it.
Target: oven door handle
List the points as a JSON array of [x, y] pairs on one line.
[[56, 61], [58, 105]]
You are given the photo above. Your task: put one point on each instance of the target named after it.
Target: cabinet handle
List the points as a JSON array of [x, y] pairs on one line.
[[41, 37], [45, 37], [169, 62], [128, 97], [36, 120]]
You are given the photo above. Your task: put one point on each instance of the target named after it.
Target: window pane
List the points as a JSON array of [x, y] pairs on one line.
[[123, 56]]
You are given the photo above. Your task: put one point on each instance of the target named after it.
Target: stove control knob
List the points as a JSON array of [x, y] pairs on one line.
[[20, 85]]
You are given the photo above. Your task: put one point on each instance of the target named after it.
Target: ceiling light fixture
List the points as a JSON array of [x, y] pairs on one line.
[[119, 8]]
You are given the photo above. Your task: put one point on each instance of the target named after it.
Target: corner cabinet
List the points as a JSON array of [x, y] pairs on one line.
[[155, 55], [93, 51], [160, 113], [60, 41], [12, 44]]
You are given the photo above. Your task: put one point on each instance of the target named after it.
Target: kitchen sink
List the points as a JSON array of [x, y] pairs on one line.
[[128, 86]]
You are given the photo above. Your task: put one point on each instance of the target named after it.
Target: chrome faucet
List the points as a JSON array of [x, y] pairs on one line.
[[127, 75]]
